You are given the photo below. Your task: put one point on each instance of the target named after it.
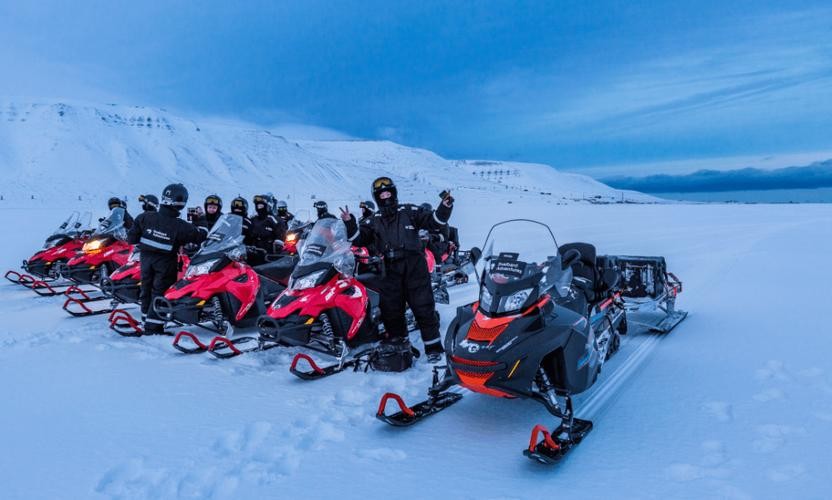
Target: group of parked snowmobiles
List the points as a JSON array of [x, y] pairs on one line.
[[546, 320]]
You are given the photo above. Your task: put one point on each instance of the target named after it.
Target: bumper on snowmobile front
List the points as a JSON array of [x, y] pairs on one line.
[[185, 311]]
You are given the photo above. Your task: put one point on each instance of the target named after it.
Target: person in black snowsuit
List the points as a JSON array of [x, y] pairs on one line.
[[213, 211], [284, 213], [239, 206], [394, 232], [323, 210], [159, 236], [266, 230], [368, 209], [115, 202], [150, 203]]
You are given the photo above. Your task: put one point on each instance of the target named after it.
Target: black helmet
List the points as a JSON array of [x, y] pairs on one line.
[[239, 206], [321, 207], [213, 199], [264, 201], [150, 203], [385, 185], [282, 207], [369, 205], [175, 196], [116, 202], [426, 206]]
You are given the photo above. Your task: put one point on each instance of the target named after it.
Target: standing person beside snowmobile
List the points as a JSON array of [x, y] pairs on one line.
[[394, 232], [266, 231], [284, 213], [213, 211], [115, 202], [323, 210], [150, 203], [159, 236]]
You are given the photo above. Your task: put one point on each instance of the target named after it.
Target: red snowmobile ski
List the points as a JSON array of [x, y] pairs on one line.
[[547, 320]]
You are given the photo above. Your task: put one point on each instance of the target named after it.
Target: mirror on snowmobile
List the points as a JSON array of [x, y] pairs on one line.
[[570, 257]]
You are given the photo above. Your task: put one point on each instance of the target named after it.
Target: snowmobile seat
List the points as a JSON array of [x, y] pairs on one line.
[[279, 270], [584, 270], [270, 288]]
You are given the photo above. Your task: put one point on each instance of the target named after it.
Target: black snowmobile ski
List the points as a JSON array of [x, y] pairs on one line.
[[409, 415], [220, 346], [555, 445], [438, 399], [123, 323], [319, 372], [77, 300]]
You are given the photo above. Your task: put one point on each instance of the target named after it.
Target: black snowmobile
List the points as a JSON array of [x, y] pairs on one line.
[[546, 322]]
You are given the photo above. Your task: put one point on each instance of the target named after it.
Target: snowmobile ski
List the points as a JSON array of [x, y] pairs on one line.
[[319, 372], [225, 348], [555, 445], [409, 415], [123, 323], [77, 300]]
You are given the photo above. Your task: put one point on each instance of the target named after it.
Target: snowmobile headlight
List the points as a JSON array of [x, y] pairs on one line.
[[291, 237], [201, 268], [92, 246], [514, 301], [307, 281]]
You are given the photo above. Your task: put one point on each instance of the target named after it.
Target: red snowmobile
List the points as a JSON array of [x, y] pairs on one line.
[[42, 271], [219, 291], [324, 307], [104, 252], [547, 320]]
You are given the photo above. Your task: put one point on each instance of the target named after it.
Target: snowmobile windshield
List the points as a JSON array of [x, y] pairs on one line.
[[226, 237], [68, 225], [327, 243], [63, 233], [520, 262], [112, 226]]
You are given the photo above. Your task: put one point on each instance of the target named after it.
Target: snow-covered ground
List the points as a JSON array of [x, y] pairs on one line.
[[735, 403]]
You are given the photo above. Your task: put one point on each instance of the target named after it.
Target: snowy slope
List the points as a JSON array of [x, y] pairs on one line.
[[59, 151], [735, 403]]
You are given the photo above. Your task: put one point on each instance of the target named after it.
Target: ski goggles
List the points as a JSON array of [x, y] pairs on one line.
[[260, 199], [382, 182], [238, 204], [212, 200]]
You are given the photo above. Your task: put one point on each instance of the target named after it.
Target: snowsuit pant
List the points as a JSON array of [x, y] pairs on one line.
[[159, 272], [407, 283]]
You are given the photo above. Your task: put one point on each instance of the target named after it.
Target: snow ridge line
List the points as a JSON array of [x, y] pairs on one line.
[[609, 387]]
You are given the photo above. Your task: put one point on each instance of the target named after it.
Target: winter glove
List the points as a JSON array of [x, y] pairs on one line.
[[447, 199]]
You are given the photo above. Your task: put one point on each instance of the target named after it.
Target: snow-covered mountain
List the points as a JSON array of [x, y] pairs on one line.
[[59, 151]]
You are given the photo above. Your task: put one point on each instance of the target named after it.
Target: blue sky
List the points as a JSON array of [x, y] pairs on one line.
[[574, 84]]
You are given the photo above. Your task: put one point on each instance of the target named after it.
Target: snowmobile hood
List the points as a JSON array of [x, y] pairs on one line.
[[499, 356]]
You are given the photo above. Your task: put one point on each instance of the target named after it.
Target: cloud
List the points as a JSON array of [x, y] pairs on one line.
[[817, 175], [751, 72]]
